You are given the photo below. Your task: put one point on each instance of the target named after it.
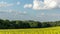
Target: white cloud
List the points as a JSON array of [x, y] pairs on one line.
[[18, 3], [27, 5], [50, 4], [46, 4], [37, 4], [5, 4], [59, 6]]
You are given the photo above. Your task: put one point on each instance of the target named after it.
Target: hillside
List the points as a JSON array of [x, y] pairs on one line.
[[18, 24]]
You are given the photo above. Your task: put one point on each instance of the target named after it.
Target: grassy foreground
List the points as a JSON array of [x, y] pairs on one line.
[[52, 30]]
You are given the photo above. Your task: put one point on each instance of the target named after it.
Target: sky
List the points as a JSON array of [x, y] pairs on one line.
[[37, 10]]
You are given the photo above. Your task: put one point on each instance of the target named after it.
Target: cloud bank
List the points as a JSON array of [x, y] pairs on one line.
[[46, 4]]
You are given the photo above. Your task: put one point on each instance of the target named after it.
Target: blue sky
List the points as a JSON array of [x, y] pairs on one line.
[[38, 10]]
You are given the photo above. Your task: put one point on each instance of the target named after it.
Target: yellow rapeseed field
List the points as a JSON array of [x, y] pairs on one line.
[[51, 30]]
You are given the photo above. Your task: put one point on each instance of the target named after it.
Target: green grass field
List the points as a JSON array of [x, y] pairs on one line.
[[51, 30]]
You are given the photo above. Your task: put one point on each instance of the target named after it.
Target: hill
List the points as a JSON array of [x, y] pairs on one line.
[[18, 24]]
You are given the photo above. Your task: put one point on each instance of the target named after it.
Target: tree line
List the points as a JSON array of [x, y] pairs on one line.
[[17, 24]]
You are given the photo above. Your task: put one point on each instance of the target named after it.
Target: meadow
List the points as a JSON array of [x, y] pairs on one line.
[[50, 30]]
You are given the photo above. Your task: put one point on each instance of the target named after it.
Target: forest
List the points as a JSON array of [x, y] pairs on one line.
[[18, 24]]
